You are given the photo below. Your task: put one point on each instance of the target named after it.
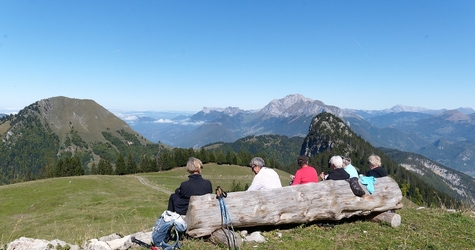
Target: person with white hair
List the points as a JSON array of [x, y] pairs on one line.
[[337, 172], [266, 178]]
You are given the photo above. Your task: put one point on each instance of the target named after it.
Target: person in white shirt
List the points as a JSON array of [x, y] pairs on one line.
[[266, 178]]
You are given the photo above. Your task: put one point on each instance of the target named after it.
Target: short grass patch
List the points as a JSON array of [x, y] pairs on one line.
[[76, 209]]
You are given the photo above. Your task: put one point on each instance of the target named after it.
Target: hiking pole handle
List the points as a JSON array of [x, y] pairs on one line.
[[220, 193]]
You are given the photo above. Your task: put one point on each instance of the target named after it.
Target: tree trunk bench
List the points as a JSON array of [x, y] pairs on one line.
[[325, 200]]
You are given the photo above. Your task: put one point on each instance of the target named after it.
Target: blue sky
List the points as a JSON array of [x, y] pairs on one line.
[[186, 55]]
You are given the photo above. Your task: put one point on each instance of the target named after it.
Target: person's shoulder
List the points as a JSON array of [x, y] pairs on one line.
[[269, 169], [342, 172], [377, 172], [382, 171]]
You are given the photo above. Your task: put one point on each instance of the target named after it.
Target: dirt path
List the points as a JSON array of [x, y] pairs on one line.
[[143, 181]]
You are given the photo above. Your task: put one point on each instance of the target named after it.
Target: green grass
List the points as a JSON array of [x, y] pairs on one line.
[[76, 209]]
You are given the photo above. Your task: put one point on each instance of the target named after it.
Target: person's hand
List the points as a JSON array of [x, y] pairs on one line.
[[292, 177], [322, 175]]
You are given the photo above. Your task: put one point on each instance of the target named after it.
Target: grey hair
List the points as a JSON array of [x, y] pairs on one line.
[[346, 160], [257, 161], [374, 160]]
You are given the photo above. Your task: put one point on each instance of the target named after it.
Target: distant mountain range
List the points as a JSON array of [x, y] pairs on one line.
[[446, 136], [329, 135], [33, 139]]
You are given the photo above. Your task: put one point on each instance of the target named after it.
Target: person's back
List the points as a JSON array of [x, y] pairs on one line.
[[350, 169], [195, 185], [266, 178], [377, 172], [306, 173], [337, 172]]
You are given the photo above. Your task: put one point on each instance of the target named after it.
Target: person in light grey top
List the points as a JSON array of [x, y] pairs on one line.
[[350, 169], [266, 178]]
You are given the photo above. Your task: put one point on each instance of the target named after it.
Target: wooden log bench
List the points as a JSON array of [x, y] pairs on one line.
[[325, 200]]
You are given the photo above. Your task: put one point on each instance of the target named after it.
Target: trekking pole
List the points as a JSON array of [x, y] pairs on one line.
[[142, 244], [225, 218]]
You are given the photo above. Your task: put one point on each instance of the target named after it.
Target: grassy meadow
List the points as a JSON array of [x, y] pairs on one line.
[[75, 209]]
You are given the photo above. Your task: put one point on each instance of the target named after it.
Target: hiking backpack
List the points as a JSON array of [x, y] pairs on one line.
[[169, 227], [356, 187]]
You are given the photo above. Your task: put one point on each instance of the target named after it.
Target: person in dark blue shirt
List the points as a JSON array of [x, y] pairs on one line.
[[195, 185], [376, 170]]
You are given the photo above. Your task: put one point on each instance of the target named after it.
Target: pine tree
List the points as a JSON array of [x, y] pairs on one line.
[[104, 167], [76, 167], [94, 170], [131, 166], [120, 168]]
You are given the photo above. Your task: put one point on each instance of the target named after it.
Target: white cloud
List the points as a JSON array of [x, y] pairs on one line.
[[192, 123], [127, 117], [184, 122], [164, 121]]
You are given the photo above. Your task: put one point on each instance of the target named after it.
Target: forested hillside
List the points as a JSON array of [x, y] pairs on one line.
[[329, 135], [449, 181], [280, 151], [66, 137]]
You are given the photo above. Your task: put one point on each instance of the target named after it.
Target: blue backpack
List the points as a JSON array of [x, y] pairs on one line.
[[169, 227]]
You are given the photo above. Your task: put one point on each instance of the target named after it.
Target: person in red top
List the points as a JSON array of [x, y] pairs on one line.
[[305, 174]]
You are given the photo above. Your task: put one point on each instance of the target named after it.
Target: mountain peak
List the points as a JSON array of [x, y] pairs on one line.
[[85, 116], [292, 105], [326, 132], [404, 108], [455, 116], [228, 111], [299, 105]]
